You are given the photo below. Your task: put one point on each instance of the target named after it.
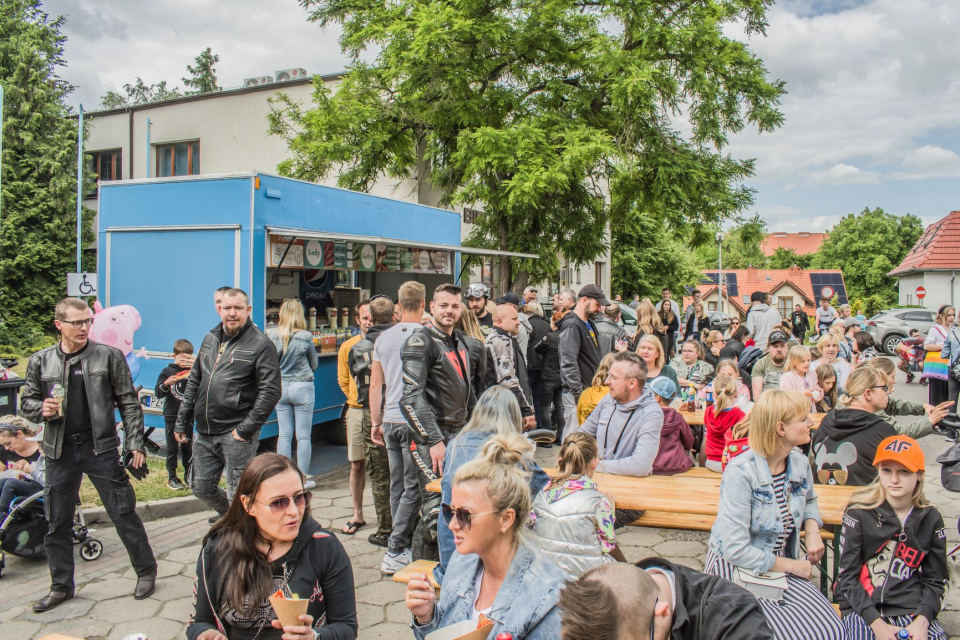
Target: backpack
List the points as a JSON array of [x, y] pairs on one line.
[[749, 357]]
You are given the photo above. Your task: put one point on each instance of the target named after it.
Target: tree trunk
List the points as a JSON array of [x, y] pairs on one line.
[[505, 279]]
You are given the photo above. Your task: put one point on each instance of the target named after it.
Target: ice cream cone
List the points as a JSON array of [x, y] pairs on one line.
[[288, 610], [59, 407]]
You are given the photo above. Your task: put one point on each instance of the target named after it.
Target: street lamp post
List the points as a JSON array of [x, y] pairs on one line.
[[720, 277]]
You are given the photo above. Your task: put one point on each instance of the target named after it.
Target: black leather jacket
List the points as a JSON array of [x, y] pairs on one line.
[[478, 368], [235, 389], [608, 332], [107, 380], [361, 363], [436, 384]]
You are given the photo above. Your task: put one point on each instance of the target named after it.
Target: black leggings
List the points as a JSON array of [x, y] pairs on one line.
[[551, 407]]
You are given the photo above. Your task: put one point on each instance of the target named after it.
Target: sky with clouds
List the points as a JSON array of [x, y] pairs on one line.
[[871, 110]]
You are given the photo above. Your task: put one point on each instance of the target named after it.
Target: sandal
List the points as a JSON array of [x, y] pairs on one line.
[[352, 527]]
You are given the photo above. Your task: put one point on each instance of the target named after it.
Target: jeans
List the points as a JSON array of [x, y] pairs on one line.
[[404, 486], [174, 447], [295, 411], [533, 377], [11, 488], [214, 454], [570, 422], [62, 493], [551, 405]]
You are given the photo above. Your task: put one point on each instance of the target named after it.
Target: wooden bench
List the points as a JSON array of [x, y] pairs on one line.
[[418, 566], [696, 417], [689, 522]]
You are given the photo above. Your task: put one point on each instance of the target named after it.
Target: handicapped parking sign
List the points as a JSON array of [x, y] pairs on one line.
[[82, 285]]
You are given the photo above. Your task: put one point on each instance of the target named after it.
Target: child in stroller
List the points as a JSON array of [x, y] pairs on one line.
[[911, 353]]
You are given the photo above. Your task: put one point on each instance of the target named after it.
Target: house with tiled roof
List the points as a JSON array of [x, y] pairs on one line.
[[933, 263], [803, 242], [788, 287]]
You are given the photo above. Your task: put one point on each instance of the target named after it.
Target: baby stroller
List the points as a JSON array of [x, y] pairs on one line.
[[22, 531], [910, 351]]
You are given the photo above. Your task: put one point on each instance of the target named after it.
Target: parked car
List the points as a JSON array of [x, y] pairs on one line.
[[889, 327], [628, 318], [719, 321]]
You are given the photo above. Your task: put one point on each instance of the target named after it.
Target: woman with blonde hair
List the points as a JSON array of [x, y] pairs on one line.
[[497, 574], [829, 347], [697, 324], [497, 413], [573, 520], [649, 323], [597, 390], [890, 515], [298, 361], [469, 326], [766, 498], [472, 336], [650, 350], [846, 441], [799, 376], [844, 349], [916, 429]]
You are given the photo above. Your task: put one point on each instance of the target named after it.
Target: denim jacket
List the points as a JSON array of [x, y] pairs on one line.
[[525, 606], [464, 448], [951, 346], [299, 361], [747, 487]]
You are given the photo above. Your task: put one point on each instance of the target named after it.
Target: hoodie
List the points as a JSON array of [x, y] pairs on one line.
[[579, 353], [762, 320], [628, 435], [172, 395], [844, 446], [716, 426], [676, 440], [892, 569], [319, 571]]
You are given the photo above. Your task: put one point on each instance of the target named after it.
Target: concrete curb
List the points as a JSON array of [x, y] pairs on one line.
[[149, 511]]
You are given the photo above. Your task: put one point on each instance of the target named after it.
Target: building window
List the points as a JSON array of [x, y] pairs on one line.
[[712, 306], [180, 159], [784, 306], [598, 274], [106, 166]]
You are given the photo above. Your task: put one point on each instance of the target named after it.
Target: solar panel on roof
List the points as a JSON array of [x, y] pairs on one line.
[[728, 277], [832, 280]]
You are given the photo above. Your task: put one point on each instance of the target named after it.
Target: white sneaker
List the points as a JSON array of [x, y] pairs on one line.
[[393, 563], [309, 484]]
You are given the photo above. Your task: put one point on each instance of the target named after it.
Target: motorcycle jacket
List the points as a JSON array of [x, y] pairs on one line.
[[478, 367], [234, 383], [361, 363], [437, 393]]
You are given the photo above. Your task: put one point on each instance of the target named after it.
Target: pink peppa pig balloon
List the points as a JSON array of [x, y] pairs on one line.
[[115, 326]]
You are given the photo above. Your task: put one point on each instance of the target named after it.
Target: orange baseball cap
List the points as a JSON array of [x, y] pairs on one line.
[[901, 449]]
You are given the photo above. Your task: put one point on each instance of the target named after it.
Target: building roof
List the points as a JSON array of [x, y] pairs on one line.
[[937, 249], [739, 284], [803, 242]]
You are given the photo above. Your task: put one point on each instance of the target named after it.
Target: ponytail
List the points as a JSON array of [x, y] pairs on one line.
[[724, 392], [859, 381], [576, 454]]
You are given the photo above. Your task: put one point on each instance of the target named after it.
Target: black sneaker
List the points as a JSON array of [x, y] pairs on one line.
[[214, 519], [175, 484], [380, 541]]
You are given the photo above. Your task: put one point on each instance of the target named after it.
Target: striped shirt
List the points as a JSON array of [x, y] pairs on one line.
[[783, 502]]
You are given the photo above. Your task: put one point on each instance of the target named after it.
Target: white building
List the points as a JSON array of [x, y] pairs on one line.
[[227, 131], [933, 264]]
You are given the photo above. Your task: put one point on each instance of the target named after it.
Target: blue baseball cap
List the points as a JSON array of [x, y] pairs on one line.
[[664, 387]]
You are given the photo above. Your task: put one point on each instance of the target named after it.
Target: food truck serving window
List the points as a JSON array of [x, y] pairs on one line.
[[337, 255]]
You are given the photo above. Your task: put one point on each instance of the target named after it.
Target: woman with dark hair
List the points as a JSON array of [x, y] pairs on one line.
[[864, 349], [268, 542], [671, 324]]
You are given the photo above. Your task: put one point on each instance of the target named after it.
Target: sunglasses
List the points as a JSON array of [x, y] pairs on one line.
[[76, 324], [381, 296], [463, 516], [734, 324], [301, 500]]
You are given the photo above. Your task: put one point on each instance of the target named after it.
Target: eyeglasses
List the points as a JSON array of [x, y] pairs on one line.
[[76, 324], [381, 296], [463, 516], [653, 620], [886, 388], [301, 500]]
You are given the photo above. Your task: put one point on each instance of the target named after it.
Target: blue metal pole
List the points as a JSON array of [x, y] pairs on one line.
[[79, 190], [148, 149]]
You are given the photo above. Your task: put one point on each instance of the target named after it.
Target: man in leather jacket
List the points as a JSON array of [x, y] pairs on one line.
[[436, 384], [232, 389], [81, 438], [609, 332], [375, 456]]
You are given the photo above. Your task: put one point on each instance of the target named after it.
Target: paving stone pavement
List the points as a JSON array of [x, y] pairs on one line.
[[104, 608]]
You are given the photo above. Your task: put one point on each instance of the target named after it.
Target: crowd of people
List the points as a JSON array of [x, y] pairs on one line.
[[448, 395]]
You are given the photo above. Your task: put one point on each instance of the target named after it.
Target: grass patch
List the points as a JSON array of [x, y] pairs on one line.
[[153, 487]]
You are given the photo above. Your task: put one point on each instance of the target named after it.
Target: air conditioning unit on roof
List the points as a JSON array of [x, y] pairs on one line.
[[286, 75], [256, 82]]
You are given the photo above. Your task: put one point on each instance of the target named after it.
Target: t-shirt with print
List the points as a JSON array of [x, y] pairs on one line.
[[591, 332], [766, 369], [77, 409], [386, 351]]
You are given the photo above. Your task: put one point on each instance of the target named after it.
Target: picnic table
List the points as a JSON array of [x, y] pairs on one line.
[[696, 417]]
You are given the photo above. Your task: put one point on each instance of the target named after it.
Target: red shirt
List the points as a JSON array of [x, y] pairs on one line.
[[717, 425]]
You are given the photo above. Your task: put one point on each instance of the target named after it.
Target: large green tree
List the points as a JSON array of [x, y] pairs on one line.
[[649, 257], [39, 165], [741, 246], [202, 79], [541, 113], [866, 246], [786, 257]]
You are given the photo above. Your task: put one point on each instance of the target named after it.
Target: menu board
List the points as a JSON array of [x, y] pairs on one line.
[[305, 253]]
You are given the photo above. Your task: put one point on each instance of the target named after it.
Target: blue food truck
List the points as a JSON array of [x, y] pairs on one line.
[[166, 244]]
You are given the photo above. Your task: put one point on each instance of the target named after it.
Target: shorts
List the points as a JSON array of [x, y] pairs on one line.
[[354, 422]]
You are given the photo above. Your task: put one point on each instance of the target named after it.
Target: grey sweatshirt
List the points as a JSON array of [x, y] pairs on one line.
[[636, 425], [762, 320]]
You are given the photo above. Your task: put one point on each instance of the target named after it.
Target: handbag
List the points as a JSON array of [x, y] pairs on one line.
[[955, 367], [950, 468], [934, 365]]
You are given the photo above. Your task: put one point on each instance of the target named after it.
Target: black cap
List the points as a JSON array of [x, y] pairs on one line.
[[509, 298], [595, 292], [777, 336]]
